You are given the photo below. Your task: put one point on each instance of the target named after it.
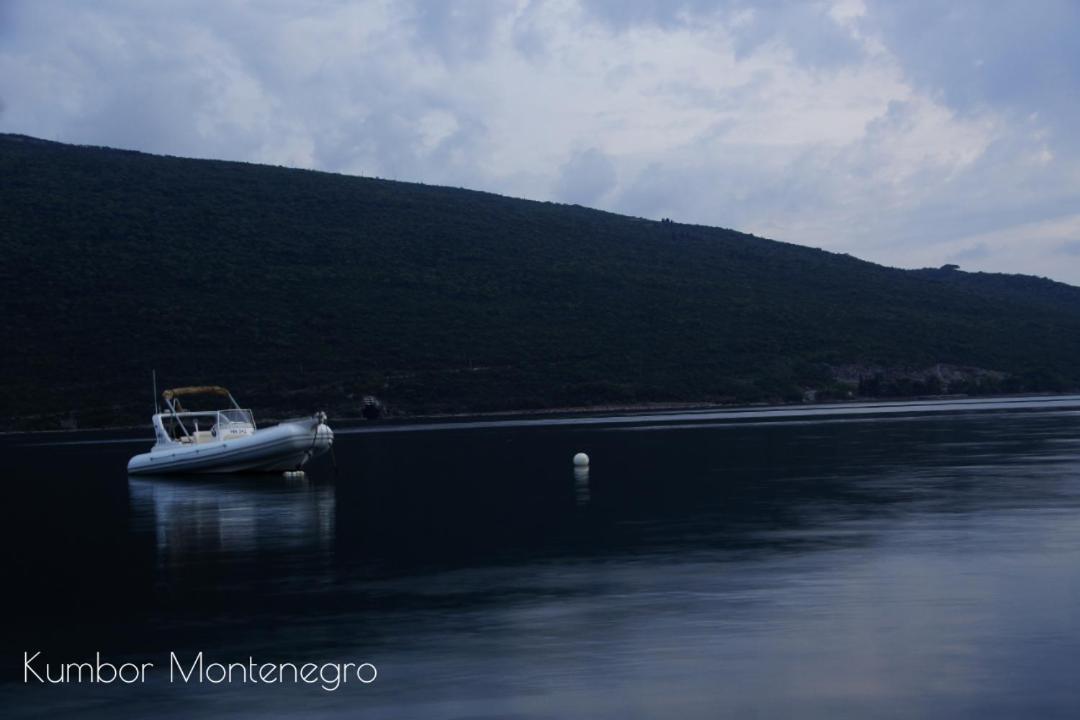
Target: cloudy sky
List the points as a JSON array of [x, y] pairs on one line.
[[912, 133]]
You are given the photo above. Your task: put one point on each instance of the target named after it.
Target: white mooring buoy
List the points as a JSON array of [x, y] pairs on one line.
[[581, 460]]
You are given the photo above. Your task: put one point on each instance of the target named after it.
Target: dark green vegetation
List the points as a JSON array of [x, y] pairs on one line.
[[302, 289]]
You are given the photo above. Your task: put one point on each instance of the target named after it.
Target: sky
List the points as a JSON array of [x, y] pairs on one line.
[[912, 133]]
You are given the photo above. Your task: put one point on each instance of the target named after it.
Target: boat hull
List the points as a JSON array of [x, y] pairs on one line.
[[288, 446]]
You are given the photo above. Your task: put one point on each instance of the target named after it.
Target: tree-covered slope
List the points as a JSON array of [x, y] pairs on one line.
[[302, 288]]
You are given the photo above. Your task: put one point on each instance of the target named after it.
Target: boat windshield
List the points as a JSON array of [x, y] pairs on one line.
[[235, 416]]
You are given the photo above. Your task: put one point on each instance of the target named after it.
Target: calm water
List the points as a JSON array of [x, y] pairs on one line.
[[914, 561]]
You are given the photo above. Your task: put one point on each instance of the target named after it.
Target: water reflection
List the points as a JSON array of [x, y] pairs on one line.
[[232, 515], [581, 485], [818, 569]]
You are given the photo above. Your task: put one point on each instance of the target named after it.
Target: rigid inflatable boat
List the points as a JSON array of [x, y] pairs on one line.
[[227, 440]]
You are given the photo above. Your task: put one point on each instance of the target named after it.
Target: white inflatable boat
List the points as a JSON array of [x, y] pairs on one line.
[[227, 440]]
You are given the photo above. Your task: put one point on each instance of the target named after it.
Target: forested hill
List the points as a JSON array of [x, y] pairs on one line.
[[302, 289]]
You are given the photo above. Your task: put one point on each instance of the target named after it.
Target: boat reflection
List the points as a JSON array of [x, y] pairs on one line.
[[233, 516]]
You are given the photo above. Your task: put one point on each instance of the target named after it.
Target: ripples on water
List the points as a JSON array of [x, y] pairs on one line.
[[768, 564]]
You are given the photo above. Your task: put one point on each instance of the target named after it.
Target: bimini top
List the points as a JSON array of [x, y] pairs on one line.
[[196, 390]]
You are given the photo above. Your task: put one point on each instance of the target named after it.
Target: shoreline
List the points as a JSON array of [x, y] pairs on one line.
[[655, 407]]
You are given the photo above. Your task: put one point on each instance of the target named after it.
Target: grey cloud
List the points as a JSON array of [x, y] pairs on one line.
[[585, 178], [391, 144], [528, 38], [978, 251], [624, 14], [94, 78], [6, 14], [976, 52], [1016, 58], [457, 31], [1070, 247], [806, 28], [654, 193], [452, 160], [697, 94], [730, 185], [1002, 188], [223, 88], [387, 139]]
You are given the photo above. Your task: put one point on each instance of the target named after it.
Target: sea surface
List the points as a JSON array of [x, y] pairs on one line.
[[873, 561]]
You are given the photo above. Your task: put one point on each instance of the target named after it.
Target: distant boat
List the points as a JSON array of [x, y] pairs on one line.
[[371, 408], [227, 440]]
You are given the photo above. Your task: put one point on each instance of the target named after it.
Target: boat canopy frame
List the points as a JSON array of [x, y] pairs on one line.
[[198, 390], [172, 402]]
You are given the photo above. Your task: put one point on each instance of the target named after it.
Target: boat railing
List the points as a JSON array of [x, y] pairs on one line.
[[220, 425]]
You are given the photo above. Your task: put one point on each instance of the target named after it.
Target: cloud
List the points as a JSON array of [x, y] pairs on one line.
[[623, 15], [906, 133], [818, 34], [978, 251], [1000, 54], [1032, 248], [1070, 247], [585, 178], [457, 32]]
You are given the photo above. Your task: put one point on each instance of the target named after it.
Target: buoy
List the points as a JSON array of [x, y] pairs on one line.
[[581, 460]]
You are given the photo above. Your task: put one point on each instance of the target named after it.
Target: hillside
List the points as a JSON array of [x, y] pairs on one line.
[[303, 289]]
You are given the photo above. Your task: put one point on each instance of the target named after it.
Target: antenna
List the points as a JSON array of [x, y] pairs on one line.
[[153, 376]]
